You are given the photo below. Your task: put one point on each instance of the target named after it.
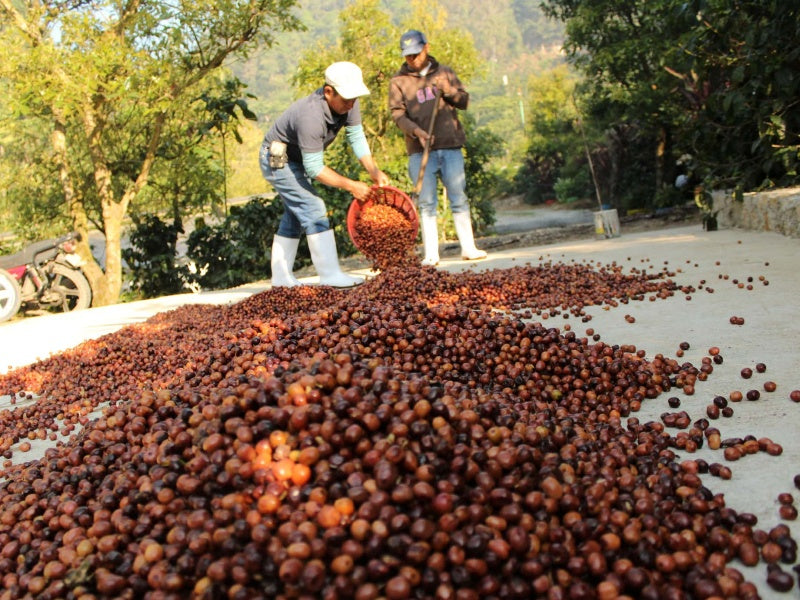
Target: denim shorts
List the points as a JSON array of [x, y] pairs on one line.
[[303, 210], [448, 164]]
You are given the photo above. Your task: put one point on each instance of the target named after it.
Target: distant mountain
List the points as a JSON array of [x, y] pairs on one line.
[[510, 35]]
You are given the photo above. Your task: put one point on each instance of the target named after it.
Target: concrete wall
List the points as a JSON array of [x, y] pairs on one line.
[[775, 210]]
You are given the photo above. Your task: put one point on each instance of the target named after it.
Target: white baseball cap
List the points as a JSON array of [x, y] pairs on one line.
[[345, 77]]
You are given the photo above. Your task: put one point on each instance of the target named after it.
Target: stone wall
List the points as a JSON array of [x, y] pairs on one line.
[[775, 210]]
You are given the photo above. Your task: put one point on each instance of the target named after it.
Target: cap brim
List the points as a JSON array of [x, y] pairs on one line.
[[353, 91], [414, 49]]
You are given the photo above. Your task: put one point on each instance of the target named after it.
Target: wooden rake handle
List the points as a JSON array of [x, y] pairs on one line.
[[427, 149]]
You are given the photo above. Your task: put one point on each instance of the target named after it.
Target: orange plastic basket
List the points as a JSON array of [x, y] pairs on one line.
[[382, 195]]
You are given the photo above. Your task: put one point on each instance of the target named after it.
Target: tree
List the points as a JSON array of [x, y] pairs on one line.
[[224, 111], [740, 91], [620, 47], [712, 79], [31, 203], [108, 79], [554, 140]]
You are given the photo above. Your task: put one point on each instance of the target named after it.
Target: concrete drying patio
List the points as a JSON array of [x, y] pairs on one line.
[[727, 261]]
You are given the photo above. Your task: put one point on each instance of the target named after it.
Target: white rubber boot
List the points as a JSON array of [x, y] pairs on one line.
[[430, 240], [463, 225], [284, 251], [323, 254]]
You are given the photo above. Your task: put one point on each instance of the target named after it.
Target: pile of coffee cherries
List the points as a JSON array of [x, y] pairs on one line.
[[416, 437], [386, 236]]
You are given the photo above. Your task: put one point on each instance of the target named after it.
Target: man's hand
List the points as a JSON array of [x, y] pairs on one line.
[[360, 190], [443, 84], [380, 178], [422, 136]]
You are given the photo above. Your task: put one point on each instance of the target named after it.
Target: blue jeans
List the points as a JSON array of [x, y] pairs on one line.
[[448, 164], [303, 210]]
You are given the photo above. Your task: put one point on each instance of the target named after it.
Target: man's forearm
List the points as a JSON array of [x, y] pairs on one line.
[[370, 166], [331, 178]]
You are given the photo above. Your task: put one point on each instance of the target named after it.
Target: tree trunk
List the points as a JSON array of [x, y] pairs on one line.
[[616, 157], [661, 153], [107, 287], [111, 282], [80, 222]]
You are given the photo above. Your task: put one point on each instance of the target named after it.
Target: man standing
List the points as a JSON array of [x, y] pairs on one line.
[[292, 155], [412, 95]]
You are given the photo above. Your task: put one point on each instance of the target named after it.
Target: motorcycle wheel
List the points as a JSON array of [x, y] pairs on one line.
[[10, 296], [73, 287]]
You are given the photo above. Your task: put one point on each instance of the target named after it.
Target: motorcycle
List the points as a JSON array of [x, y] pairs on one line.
[[44, 276]]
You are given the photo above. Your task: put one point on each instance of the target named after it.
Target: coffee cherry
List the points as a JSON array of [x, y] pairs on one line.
[[413, 437]]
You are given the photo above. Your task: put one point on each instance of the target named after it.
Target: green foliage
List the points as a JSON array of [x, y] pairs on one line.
[[714, 80], [210, 249], [238, 249], [188, 182], [535, 180], [573, 189], [555, 148], [152, 258], [669, 196], [482, 181], [111, 86], [569, 127], [223, 109], [619, 47], [741, 117], [31, 199], [623, 159]]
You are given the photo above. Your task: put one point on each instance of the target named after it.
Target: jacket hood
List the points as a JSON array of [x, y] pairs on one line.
[[404, 70]]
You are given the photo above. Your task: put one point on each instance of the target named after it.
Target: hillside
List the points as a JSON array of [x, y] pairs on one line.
[[513, 36]]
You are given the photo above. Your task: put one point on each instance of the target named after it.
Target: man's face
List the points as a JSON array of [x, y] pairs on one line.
[[338, 104], [416, 62]]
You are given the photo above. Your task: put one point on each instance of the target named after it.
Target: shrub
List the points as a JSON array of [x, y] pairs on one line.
[[152, 258], [237, 250]]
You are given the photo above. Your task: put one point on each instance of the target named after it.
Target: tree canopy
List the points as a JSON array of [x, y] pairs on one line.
[[108, 85], [714, 80], [741, 91]]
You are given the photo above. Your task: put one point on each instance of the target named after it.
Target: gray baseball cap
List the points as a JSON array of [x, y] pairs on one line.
[[412, 42]]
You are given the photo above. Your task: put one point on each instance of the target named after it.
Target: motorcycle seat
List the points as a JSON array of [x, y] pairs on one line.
[[38, 252]]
